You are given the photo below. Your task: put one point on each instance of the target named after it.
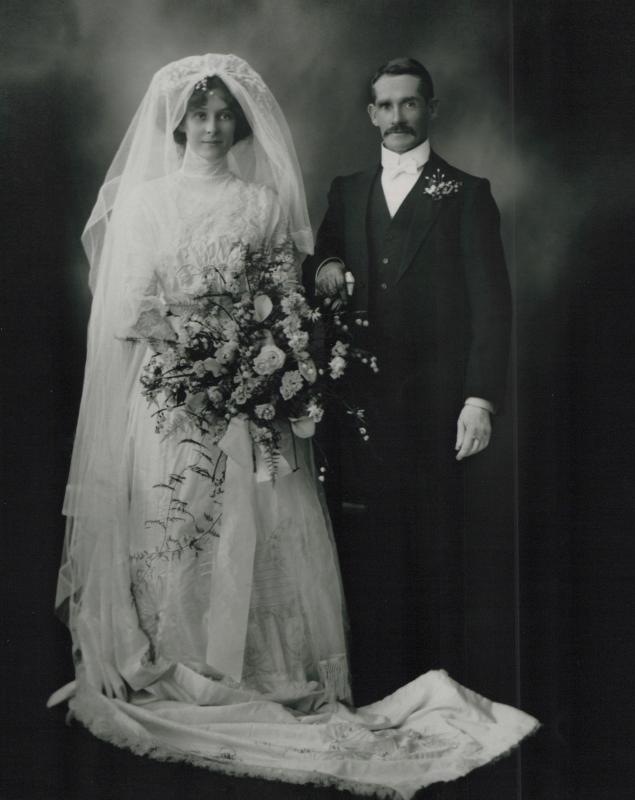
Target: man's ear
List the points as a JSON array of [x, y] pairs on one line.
[[372, 113], [433, 108]]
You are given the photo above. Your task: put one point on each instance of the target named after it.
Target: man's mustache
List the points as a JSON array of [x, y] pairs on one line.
[[399, 129]]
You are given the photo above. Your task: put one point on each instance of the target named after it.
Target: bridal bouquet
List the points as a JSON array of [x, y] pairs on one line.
[[254, 348]]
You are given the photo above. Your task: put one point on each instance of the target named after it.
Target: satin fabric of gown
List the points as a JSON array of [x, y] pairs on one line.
[[239, 602]]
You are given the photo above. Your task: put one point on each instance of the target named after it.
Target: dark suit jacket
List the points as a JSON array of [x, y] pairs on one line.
[[442, 328]]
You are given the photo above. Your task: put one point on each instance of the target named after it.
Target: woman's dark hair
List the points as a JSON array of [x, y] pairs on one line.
[[198, 99], [405, 66]]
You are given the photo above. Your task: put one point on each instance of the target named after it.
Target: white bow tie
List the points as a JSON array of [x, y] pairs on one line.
[[407, 167]]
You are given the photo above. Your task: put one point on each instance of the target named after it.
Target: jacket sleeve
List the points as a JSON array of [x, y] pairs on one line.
[[330, 238], [488, 294]]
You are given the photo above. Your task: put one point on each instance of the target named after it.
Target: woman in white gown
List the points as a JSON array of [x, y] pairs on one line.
[[219, 638]]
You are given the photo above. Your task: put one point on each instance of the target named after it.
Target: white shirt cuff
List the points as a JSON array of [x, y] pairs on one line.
[[479, 402]]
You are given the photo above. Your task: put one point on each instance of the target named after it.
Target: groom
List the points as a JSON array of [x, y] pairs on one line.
[[413, 243]]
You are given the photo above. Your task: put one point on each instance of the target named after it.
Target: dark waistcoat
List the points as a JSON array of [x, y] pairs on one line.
[[387, 239]]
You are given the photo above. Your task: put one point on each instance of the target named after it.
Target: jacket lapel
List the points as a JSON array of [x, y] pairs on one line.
[[356, 234], [424, 215]]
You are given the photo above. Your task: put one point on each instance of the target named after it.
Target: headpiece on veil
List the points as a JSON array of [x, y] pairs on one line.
[[95, 502]]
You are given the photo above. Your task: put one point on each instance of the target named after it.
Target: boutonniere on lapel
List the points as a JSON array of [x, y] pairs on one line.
[[439, 186]]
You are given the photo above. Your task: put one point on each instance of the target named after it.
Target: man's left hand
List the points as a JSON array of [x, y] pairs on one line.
[[473, 431]]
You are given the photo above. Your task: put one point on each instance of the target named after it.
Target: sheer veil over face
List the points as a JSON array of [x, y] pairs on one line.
[[96, 496]]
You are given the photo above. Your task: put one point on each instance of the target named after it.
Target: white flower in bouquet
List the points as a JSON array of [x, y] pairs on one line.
[[270, 359], [240, 395], [262, 307], [215, 395], [226, 352], [199, 368], [292, 324], [212, 365], [339, 349], [298, 341], [291, 384], [314, 411], [293, 303], [337, 365], [308, 370], [265, 411]]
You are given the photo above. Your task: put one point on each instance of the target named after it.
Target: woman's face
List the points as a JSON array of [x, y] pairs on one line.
[[209, 129]]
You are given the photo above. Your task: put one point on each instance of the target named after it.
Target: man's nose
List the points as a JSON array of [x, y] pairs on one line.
[[397, 114]]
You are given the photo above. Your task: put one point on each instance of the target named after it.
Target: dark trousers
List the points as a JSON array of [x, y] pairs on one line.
[[397, 506]]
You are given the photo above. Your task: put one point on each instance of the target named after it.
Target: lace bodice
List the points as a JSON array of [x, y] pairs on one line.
[[184, 228]]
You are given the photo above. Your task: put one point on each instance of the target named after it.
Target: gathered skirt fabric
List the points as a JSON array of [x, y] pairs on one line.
[[232, 574]]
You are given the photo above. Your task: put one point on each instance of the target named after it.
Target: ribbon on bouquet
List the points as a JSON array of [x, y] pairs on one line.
[[232, 573]]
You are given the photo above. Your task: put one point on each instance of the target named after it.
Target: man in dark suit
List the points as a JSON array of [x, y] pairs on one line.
[[413, 243]]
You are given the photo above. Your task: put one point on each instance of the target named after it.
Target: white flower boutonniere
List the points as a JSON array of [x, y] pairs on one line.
[[439, 186]]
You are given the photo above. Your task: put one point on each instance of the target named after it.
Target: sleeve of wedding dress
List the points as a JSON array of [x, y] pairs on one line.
[[280, 234], [143, 310]]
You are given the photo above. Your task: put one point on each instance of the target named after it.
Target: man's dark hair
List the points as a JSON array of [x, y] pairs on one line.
[[198, 99], [405, 66]]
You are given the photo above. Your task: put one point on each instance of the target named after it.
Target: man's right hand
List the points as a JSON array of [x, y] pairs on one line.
[[330, 283]]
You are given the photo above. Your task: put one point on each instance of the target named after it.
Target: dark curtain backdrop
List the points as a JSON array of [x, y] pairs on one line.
[[535, 96]]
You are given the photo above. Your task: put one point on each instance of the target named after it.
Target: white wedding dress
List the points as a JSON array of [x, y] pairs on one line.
[[233, 635]]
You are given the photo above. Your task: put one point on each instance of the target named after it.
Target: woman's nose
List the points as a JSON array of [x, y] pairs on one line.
[[210, 125]]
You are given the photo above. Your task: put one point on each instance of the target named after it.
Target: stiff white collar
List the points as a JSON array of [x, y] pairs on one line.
[[195, 166], [419, 155]]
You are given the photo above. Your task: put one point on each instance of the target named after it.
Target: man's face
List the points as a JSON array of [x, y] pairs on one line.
[[400, 112]]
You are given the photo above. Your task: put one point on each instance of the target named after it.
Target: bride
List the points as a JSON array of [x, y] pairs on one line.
[[224, 645]]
